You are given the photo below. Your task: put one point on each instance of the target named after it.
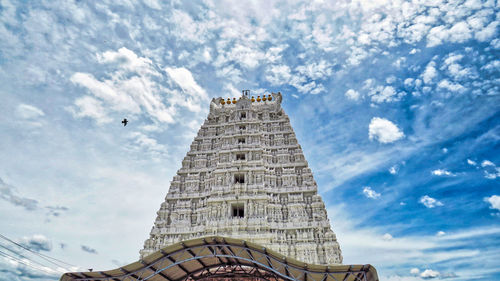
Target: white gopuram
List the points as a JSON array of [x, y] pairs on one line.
[[246, 177]]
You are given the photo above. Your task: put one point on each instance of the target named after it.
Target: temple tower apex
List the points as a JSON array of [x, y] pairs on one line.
[[245, 176]]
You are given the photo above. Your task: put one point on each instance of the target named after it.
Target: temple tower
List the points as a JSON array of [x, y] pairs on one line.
[[245, 176]]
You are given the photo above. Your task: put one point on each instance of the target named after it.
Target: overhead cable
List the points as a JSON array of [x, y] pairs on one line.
[[45, 257], [25, 263], [33, 261]]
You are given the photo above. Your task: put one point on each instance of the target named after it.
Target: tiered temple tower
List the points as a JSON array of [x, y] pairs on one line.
[[246, 177]]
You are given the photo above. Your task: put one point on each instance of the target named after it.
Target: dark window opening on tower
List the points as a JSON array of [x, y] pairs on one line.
[[243, 115], [241, 140], [239, 178], [242, 127], [240, 156], [238, 210]]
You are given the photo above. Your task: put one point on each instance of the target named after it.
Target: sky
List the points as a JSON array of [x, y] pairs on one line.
[[395, 105]]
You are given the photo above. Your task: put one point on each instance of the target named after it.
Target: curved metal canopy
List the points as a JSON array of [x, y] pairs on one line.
[[221, 257]]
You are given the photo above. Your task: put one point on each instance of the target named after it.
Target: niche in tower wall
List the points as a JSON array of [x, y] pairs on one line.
[[239, 178], [238, 210]]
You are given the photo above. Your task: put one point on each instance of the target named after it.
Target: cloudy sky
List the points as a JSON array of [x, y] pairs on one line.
[[395, 104]]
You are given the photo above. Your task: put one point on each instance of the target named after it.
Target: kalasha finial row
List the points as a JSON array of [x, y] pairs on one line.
[[264, 98]]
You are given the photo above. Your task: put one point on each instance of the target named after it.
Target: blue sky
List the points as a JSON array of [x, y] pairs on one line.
[[395, 104]]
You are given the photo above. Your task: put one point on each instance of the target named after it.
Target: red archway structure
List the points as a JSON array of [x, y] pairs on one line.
[[221, 258]]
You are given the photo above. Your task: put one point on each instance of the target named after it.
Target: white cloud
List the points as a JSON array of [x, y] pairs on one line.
[[274, 54], [491, 171], [246, 56], [314, 70], [90, 107], [430, 72], [187, 29], [492, 65], [132, 88], [429, 273], [408, 82], [494, 201], [29, 116], [147, 144], [185, 80], [278, 74], [453, 87], [106, 91], [206, 55], [455, 69], [460, 32], [452, 59], [391, 79], [384, 130], [8, 193], [154, 4], [492, 175], [127, 60], [387, 237], [385, 94], [414, 271], [352, 94], [369, 193], [487, 163], [37, 242], [437, 35], [26, 111], [488, 32], [430, 202], [393, 170], [472, 163], [442, 172], [440, 233], [399, 278]]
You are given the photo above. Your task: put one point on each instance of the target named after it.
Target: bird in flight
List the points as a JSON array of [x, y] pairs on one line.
[[124, 122]]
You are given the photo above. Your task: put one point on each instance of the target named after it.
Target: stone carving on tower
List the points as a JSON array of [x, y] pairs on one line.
[[245, 176]]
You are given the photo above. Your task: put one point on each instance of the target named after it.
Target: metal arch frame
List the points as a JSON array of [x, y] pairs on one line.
[[253, 272], [219, 249]]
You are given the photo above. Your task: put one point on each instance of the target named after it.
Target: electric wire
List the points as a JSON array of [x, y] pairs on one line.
[[25, 263], [45, 257], [33, 261]]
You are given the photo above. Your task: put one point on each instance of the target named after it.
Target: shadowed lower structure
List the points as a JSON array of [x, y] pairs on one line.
[[222, 258]]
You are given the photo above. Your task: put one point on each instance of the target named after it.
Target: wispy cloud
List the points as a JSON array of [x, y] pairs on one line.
[[442, 172], [430, 202], [494, 201], [7, 192], [88, 249], [37, 242], [370, 193]]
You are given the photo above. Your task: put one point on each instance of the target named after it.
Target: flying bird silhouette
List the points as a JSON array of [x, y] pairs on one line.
[[124, 122]]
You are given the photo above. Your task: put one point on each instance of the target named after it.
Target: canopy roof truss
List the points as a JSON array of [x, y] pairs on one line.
[[220, 257]]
